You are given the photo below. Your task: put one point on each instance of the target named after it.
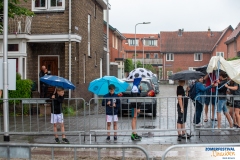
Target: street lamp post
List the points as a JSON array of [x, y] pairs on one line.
[[143, 50], [135, 41]]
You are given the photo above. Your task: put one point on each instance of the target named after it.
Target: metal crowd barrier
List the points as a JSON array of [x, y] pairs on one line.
[[21, 150], [198, 145], [91, 116], [212, 125]]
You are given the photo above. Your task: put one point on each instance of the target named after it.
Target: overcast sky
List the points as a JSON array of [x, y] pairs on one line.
[[171, 15]]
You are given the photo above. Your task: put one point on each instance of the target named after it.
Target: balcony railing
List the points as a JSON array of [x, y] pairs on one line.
[[18, 25], [149, 61]]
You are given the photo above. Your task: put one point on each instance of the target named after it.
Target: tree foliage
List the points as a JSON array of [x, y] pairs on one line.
[[15, 9], [128, 65]]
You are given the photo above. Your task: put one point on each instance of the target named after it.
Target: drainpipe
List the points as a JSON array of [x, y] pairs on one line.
[[70, 46], [108, 63]]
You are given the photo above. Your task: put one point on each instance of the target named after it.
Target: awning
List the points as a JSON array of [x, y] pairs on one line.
[[232, 68]]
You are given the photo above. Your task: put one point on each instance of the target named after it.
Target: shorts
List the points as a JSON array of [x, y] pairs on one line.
[[136, 104], [56, 118], [236, 104], [181, 116], [222, 106], [208, 98], [111, 118]]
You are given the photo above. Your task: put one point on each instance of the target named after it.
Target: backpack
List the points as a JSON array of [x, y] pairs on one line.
[[192, 92]]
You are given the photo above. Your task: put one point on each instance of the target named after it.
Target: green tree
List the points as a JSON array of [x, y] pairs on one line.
[[150, 67], [14, 9], [139, 64], [128, 65]]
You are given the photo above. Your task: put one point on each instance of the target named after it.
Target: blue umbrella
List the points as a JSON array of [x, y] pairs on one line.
[[100, 86], [57, 81]]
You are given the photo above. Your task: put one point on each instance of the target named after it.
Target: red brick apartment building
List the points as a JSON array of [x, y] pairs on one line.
[[147, 49], [233, 43], [68, 39], [116, 51], [184, 50]]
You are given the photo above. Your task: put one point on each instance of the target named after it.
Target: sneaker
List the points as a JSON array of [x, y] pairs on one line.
[[218, 129], [179, 137], [137, 137], [198, 125], [115, 138], [65, 140], [235, 125], [132, 137], [186, 135], [108, 139], [57, 140]]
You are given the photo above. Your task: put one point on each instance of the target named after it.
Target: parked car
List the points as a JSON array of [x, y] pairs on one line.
[[148, 105], [154, 83]]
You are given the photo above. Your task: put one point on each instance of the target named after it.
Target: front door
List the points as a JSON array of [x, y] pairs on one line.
[[51, 64]]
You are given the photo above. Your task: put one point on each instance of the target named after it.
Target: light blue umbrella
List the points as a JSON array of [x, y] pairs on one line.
[[57, 81], [100, 86]]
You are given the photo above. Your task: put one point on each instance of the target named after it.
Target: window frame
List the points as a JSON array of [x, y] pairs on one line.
[[201, 55], [148, 56], [172, 57], [48, 6], [217, 54], [131, 40], [155, 57]]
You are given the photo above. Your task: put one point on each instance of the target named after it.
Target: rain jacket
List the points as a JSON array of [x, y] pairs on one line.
[[200, 90], [114, 99]]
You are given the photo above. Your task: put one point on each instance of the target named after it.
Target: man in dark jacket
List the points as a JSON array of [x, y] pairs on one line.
[[112, 104], [43, 86]]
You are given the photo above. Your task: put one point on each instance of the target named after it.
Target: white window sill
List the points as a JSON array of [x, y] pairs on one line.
[[48, 10], [169, 60]]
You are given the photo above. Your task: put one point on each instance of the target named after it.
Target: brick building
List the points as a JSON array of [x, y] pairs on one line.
[[116, 52], [147, 49], [188, 50], [233, 43], [67, 39]]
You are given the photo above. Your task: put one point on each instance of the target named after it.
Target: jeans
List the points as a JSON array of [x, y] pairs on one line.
[[222, 106], [197, 115]]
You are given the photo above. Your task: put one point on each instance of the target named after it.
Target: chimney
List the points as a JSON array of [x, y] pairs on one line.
[[209, 32], [180, 32]]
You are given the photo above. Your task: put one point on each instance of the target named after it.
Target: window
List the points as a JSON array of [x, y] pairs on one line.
[[150, 42], [169, 73], [116, 43], [155, 55], [89, 35], [220, 54], [95, 10], [13, 47], [131, 42], [38, 5], [95, 59], [170, 57], [198, 57], [148, 55]]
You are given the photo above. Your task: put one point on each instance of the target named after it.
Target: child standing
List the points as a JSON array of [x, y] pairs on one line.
[[57, 115], [112, 105]]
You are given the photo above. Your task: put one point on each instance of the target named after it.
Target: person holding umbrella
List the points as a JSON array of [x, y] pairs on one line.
[[182, 109], [57, 115], [112, 104], [135, 92]]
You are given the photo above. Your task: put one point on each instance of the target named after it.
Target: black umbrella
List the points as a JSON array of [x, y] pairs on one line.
[[202, 69], [186, 75]]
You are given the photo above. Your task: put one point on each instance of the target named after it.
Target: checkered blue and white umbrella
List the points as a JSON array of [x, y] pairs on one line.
[[140, 73]]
